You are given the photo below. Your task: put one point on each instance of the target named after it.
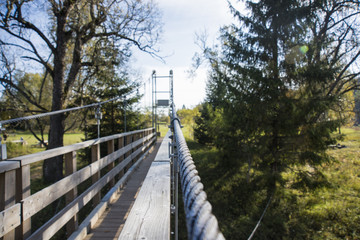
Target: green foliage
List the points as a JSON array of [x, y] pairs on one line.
[[270, 94], [110, 82], [15, 150], [277, 91], [208, 124], [81, 39], [32, 95], [328, 212], [187, 116]]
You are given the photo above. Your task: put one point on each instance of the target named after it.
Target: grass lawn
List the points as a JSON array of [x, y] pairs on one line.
[[31, 146], [329, 212], [15, 149], [69, 138]]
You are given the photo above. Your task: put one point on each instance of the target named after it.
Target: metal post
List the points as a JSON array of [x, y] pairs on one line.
[[176, 166], [125, 102], [98, 116], [156, 114], [152, 97], [3, 152], [171, 79]]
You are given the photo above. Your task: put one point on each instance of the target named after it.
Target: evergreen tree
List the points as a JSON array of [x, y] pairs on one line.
[[109, 82], [279, 73]]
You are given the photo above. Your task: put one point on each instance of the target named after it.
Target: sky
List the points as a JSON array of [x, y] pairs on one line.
[[182, 20]]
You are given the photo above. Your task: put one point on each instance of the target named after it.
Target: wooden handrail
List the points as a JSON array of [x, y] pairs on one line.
[[43, 198], [6, 166], [59, 220], [17, 205], [36, 157]]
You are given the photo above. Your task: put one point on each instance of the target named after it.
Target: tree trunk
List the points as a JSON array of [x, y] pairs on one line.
[[357, 105], [53, 167]]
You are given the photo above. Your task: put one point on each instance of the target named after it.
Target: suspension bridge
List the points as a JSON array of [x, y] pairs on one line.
[[132, 190]]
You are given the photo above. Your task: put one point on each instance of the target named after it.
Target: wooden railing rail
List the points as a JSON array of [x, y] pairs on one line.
[[17, 205], [35, 157]]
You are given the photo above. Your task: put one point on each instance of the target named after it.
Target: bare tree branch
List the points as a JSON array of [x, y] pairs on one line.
[[22, 92]]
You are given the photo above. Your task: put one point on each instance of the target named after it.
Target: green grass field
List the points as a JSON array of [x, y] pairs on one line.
[[328, 212], [15, 149], [69, 138]]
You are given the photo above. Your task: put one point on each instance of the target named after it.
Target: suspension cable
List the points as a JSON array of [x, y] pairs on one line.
[[200, 221], [59, 111], [262, 216]]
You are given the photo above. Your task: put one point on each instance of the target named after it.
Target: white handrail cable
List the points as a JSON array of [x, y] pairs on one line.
[[200, 221], [3, 122]]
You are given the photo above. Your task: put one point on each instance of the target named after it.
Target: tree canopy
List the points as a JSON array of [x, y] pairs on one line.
[[69, 41]]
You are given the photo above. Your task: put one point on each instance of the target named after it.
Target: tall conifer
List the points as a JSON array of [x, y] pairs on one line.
[[281, 70]]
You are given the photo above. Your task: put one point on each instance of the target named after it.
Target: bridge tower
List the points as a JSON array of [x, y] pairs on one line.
[[162, 95]]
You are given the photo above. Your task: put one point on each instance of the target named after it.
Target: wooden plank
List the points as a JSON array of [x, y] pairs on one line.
[[43, 198], [89, 222], [163, 153], [60, 219], [113, 220], [35, 157], [70, 168], [110, 149], [10, 218], [93, 217], [7, 189], [109, 196], [7, 197], [22, 192], [8, 165], [150, 216], [95, 156], [121, 142]]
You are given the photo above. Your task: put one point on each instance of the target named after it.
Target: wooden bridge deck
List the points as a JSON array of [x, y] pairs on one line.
[[111, 222]]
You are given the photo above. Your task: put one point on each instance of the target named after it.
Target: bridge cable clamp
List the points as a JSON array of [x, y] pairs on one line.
[[172, 209], [172, 122], [171, 155]]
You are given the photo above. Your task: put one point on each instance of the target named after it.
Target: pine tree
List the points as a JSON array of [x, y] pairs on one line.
[[278, 75]]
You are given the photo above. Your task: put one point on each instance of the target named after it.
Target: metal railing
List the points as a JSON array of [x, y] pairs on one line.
[[201, 223]]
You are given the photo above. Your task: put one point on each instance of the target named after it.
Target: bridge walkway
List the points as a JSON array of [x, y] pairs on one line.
[[112, 221]]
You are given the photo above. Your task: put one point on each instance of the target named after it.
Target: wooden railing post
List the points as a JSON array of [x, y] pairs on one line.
[[110, 149], [135, 138], [70, 168], [22, 192], [7, 196], [129, 140], [144, 135], [121, 144], [95, 156]]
